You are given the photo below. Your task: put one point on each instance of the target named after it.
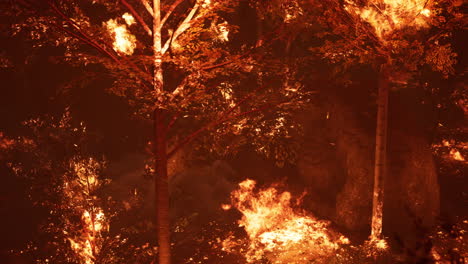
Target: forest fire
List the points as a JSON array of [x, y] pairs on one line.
[[360, 104], [85, 246], [85, 240], [124, 42], [278, 232], [389, 15]]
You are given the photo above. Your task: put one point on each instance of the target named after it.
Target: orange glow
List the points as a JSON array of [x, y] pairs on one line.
[[124, 42], [87, 242], [129, 19], [456, 155], [86, 246], [277, 231], [5, 142], [426, 12], [223, 32], [451, 149], [386, 16], [226, 207], [380, 244]]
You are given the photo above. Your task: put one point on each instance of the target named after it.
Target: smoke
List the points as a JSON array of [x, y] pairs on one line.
[[196, 191]]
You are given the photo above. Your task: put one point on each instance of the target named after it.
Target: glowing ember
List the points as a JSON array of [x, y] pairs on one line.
[[380, 244], [124, 42], [223, 32], [451, 149], [385, 16], [129, 20], [5, 142], [456, 155], [226, 207], [278, 232]]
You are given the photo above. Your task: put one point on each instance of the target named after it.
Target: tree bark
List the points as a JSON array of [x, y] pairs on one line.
[[380, 153], [162, 187], [160, 140]]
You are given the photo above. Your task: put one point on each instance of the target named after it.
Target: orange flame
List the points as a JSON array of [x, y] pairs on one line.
[[86, 247], [277, 231], [124, 42], [456, 155], [87, 242], [385, 16]]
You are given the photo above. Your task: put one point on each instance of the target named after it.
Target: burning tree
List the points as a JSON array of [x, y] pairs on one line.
[[67, 180], [78, 194], [397, 38], [64, 187], [178, 71]]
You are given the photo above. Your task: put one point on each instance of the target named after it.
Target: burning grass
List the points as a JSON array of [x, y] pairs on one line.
[[277, 232]]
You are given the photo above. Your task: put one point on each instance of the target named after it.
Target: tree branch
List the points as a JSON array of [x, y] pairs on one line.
[[87, 39], [216, 122], [170, 10], [84, 36], [270, 42], [148, 7], [220, 119], [182, 27], [138, 17], [172, 122], [71, 33]]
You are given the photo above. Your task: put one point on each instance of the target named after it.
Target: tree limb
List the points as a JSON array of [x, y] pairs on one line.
[[220, 119], [216, 122], [170, 10], [138, 17], [84, 35], [148, 7], [182, 27], [100, 49], [207, 67], [87, 39]]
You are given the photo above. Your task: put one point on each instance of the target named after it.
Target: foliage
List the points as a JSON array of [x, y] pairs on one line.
[[353, 33], [67, 180], [207, 76]]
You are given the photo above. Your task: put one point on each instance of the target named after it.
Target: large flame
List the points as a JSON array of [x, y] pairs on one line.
[[124, 42], [386, 16], [87, 241], [278, 232], [87, 246]]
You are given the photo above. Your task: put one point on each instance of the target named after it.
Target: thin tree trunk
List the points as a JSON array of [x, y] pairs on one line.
[[380, 153], [159, 120], [162, 188]]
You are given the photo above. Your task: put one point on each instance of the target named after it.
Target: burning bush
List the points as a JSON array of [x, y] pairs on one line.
[[277, 232]]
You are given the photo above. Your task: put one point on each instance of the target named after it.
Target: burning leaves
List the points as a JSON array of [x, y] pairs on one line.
[[278, 232], [451, 150], [129, 19], [386, 16], [124, 42], [85, 241]]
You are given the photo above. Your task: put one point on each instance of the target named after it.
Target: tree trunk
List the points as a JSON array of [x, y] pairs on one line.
[[160, 140], [380, 153], [162, 188]]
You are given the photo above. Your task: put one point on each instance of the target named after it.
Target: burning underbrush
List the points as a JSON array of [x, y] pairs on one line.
[[277, 232]]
